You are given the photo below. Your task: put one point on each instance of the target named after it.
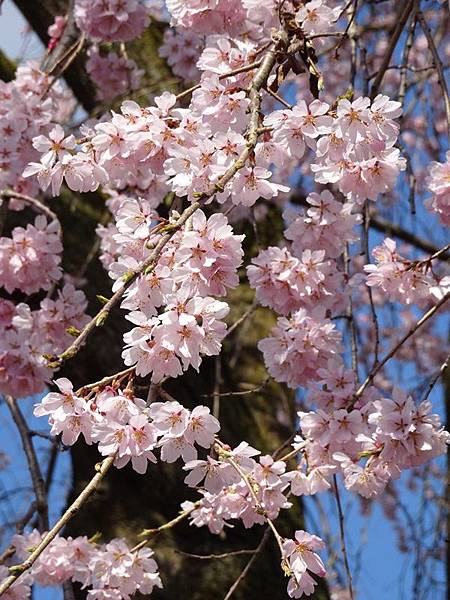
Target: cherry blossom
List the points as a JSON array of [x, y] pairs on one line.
[[438, 183], [112, 74], [111, 20]]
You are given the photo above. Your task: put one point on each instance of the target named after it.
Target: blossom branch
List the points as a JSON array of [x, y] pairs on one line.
[[146, 267], [252, 133], [220, 448]]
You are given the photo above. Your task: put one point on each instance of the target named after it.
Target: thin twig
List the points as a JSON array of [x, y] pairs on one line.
[[150, 533], [438, 64], [248, 566], [37, 204], [243, 392], [394, 349], [342, 534], [242, 318], [216, 556], [278, 98], [404, 67], [103, 382], [391, 47], [33, 463], [216, 392], [436, 378]]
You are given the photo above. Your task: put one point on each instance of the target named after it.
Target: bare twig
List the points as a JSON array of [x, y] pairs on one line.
[[33, 463], [394, 349], [150, 533], [404, 67], [438, 64], [242, 318], [37, 204], [248, 566], [342, 535], [386, 227], [216, 556], [216, 392], [401, 22], [242, 392], [437, 376]]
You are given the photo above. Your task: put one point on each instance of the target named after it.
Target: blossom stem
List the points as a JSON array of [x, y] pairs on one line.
[[259, 508]]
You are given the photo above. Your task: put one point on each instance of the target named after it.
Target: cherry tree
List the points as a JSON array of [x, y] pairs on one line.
[[225, 284]]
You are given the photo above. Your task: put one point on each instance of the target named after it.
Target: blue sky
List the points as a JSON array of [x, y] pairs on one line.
[[384, 572]]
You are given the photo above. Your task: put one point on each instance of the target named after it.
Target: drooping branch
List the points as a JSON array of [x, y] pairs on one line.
[[261, 76]]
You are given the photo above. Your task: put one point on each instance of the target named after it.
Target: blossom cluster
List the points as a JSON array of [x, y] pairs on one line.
[[30, 259], [112, 20], [403, 280], [113, 75], [27, 335], [325, 225], [227, 496], [286, 283], [390, 434], [198, 263], [124, 427], [111, 571], [24, 115], [250, 16], [299, 346], [353, 146], [301, 558], [439, 185], [182, 49]]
